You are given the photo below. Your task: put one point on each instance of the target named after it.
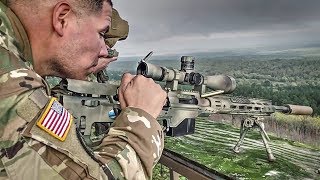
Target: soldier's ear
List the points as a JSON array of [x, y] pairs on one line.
[[61, 16]]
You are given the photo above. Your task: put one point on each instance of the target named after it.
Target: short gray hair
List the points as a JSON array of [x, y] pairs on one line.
[[89, 6], [93, 6]]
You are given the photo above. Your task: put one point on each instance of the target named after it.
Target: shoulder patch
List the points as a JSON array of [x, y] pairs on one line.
[[55, 120]]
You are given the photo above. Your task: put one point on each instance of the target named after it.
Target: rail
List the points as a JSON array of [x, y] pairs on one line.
[[179, 165]]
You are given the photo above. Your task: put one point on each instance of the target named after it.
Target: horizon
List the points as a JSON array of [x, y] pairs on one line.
[[280, 53]]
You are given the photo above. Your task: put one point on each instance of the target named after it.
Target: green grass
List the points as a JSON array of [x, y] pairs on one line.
[[212, 143], [299, 121]]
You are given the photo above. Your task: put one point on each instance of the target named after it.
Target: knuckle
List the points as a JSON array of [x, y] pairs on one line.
[[164, 94], [158, 87], [126, 75], [140, 77], [150, 80]]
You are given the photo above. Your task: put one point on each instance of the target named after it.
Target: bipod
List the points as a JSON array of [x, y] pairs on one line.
[[251, 123]]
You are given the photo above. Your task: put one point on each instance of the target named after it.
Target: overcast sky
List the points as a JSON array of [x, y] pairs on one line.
[[183, 26]]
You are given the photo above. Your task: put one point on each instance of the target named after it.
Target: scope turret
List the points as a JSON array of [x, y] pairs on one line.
[[187, 64]]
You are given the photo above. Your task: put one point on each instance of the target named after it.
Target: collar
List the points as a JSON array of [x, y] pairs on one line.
[[20, 35], [5, 2]]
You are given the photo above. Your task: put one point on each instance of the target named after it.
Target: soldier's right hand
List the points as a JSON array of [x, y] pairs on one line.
[[141, 92]]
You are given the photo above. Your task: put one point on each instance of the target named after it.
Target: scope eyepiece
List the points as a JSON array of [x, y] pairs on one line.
[[151, 71], [142, 68]]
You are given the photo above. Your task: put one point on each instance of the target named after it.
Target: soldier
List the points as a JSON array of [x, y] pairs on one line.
[[65, 38]]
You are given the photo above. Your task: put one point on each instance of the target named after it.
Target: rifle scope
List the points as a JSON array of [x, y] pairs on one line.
[[186, 75]]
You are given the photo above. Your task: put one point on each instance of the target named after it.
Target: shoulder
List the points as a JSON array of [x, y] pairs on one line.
[[10, 48], [7, 38]]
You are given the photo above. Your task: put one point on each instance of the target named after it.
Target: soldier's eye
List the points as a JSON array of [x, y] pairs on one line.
[[102, 34]]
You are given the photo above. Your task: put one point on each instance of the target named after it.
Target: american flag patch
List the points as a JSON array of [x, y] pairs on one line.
[[55, 120]]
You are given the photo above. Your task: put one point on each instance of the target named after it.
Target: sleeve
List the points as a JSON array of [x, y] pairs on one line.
[[133, 145], [130, 150], [15, 87]]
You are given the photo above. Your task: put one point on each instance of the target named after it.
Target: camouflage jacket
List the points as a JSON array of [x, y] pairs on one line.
[[130, 150]]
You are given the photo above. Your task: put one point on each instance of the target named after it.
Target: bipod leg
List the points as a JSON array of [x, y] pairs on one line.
[[174, 175], [265, 139], [243, 132]]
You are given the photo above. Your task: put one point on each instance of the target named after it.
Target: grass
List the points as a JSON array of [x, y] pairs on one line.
[[212, 143]]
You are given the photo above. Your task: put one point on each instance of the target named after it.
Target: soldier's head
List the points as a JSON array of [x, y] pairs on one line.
[[66, 36]]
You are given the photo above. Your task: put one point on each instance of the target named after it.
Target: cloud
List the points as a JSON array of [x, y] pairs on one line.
[[152, 22]]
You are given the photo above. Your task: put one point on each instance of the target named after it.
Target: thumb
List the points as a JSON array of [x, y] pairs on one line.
[[125, 80]]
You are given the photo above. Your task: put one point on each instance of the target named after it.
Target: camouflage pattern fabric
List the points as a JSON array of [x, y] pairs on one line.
[[129, 151], [118, 31]]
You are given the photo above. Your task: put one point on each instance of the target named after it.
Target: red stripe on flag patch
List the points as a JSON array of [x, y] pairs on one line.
[[55, 120]]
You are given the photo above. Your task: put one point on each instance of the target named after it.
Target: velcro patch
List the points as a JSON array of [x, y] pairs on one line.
[[55, 120]]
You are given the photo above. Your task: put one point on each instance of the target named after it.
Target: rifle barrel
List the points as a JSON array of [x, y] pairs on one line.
[[295, 109]]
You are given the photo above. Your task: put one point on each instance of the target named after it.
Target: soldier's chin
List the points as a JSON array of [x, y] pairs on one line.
[[80, 76], [84, 78]]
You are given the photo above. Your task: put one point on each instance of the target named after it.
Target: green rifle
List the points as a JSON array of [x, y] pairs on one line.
[[94, 105]]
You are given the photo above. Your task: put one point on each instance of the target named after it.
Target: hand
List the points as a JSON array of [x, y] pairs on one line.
[[103, 63], [143, 93]]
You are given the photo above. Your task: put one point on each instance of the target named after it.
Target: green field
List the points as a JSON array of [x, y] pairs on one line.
[[212, 145]]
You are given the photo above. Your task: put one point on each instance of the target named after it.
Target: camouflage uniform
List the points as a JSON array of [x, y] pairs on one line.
[[129, 151]]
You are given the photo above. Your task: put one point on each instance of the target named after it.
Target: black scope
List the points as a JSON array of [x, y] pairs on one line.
[[186, 75]]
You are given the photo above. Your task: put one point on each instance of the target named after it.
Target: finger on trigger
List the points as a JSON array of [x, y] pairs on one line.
[[122, 101], [125, 80]]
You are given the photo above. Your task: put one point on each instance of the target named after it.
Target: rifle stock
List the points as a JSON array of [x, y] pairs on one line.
[[92, 105]]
